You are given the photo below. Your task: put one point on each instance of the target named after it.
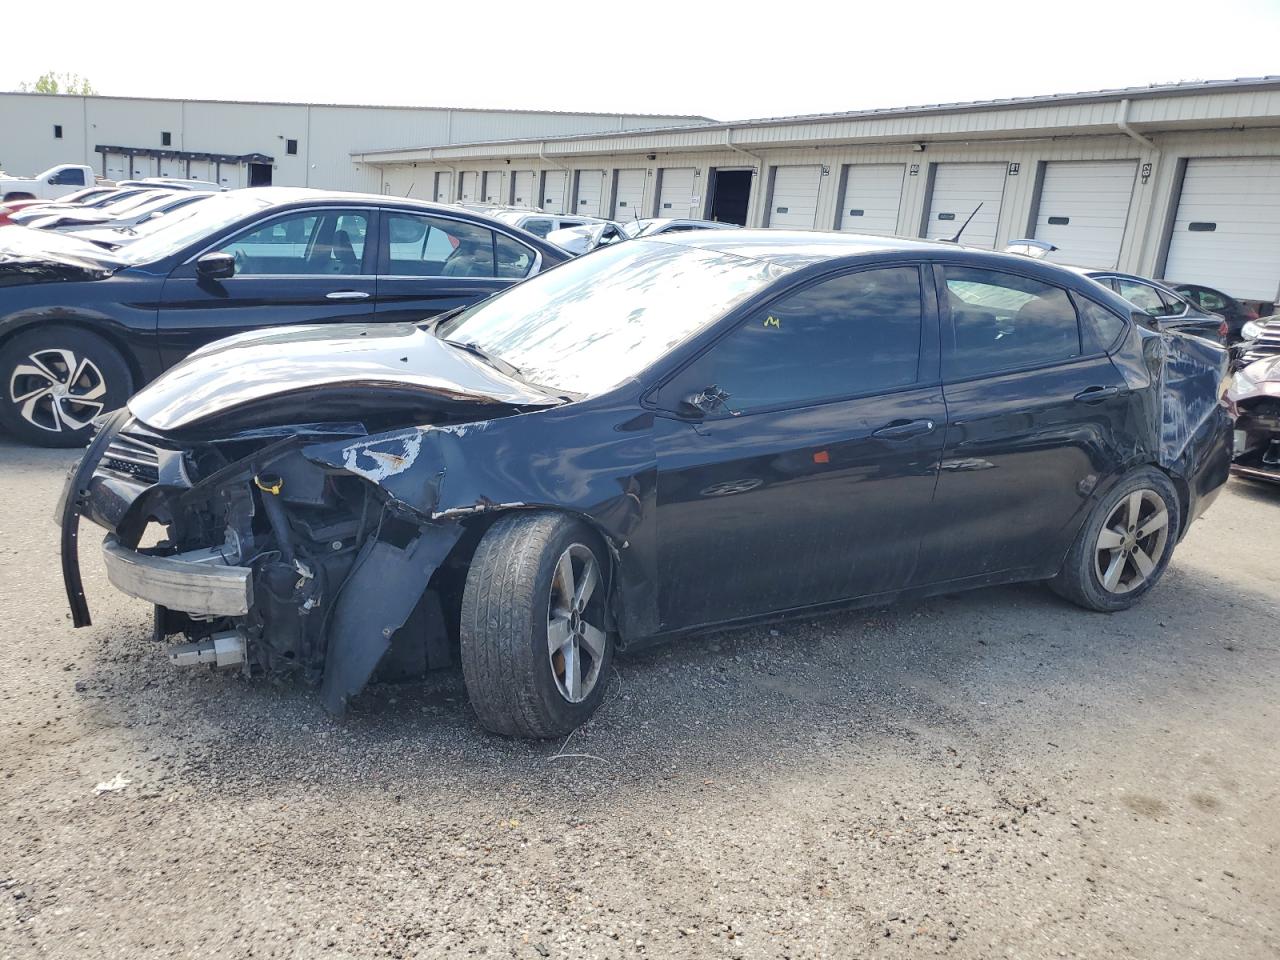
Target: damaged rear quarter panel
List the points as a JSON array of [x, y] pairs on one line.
[[1191, 423], [594, 458]]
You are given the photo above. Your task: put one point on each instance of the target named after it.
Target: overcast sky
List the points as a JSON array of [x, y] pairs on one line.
[[722, 60]]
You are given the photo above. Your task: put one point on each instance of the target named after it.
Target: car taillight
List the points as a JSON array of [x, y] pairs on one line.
[[1223, 329]]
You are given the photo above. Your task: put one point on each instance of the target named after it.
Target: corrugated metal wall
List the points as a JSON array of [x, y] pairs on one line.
[[1144, 228], [326, 135]]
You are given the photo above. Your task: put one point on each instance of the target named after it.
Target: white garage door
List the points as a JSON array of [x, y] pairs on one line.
[[628, 203], [201, 170], [1083, 207], [444, 186], [142, 167], [872, 194], [590, 192], [958, 188], [470, 186], [795, 197], [1227, 230], [524, 192], [493, 187], [173, 167], [675, 194], [117, 167], [230, 175], [553, 191]]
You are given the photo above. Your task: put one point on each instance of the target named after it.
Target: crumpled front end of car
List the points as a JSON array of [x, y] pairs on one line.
[[269, 561], [1255, 398]]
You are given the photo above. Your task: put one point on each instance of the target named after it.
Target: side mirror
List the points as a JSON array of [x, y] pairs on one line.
[[216, 266], [700, 404]]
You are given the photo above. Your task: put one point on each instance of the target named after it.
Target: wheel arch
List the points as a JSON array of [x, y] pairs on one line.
[[452, 572], [87, 326]]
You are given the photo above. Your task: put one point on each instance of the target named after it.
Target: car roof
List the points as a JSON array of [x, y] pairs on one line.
[[797, 247]]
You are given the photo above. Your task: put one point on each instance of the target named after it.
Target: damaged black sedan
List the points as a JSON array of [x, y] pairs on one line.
[[667, 436]]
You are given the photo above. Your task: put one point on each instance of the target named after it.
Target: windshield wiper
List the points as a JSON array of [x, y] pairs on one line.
[[475, 349], [433, 323]]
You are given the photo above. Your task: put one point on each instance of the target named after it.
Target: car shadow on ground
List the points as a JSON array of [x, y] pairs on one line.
[[953, 670]]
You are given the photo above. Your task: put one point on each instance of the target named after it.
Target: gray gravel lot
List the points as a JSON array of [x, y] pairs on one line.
[[992, 774]]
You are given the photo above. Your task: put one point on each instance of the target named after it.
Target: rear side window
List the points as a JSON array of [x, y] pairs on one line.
[[419, 246], [1001, 321], [515, 260], [539, 228], [1148, 298], [854, 334], [1099, 327]]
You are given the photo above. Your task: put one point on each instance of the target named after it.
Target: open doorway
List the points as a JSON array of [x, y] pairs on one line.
[[730, 196], [259, 174]]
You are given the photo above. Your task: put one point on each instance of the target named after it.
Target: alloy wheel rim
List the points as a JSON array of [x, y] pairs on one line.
[[576, 639], [55, 390], [1131, 542]]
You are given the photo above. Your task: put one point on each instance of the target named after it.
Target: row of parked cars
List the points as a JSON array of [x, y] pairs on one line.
[[369, 424]]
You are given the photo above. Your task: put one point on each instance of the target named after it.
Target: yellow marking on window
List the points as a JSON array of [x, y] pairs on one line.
[[772, 321]]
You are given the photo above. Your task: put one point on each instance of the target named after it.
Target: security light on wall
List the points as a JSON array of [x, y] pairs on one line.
[[918, 147]]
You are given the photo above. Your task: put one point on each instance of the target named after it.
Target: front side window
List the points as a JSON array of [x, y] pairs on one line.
[[68, 178], [303, 243], [849, 335], [1000, 321], [420, 246]]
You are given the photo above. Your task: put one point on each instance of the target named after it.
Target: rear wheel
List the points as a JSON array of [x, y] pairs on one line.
[[534, 640], [1124, 547], [55, 380]]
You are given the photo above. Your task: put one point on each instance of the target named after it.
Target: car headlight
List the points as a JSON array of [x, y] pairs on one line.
[[1251, 330]]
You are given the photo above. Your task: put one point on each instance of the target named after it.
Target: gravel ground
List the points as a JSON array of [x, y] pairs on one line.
[[990, 774]]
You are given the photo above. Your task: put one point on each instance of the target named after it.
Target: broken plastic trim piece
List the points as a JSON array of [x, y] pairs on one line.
[[377, 598]]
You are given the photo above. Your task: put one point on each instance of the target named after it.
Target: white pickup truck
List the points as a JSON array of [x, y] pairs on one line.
[[53, 183]]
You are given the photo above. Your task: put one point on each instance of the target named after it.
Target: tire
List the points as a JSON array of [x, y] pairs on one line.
[[54, 380], [1115, 574], [517, 685]]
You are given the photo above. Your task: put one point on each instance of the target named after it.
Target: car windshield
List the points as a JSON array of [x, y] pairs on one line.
[[591, 323], [209, 215]]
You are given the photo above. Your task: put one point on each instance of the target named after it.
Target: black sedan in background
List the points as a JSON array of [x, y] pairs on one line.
[[82, 328], [1171, 310], [1236, 314], [669, 435]]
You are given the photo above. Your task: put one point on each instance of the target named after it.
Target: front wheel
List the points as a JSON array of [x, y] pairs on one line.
[[1124, 547], [534, 632], [55, 380]]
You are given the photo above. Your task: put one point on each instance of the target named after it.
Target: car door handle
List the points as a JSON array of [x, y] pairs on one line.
[[904, 429], [1097, 394], [347, 295]]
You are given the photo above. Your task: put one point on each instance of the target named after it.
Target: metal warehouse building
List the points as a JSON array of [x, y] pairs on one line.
[[255, 144], [1179, 181]]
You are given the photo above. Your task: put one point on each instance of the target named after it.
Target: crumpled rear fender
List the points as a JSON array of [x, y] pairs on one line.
[[593, 460], [1195, 424]]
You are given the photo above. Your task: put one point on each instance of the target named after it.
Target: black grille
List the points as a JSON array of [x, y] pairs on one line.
[[132, 457]]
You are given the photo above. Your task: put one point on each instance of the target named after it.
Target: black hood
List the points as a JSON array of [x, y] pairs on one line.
[[42, 256], [374, 373]]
